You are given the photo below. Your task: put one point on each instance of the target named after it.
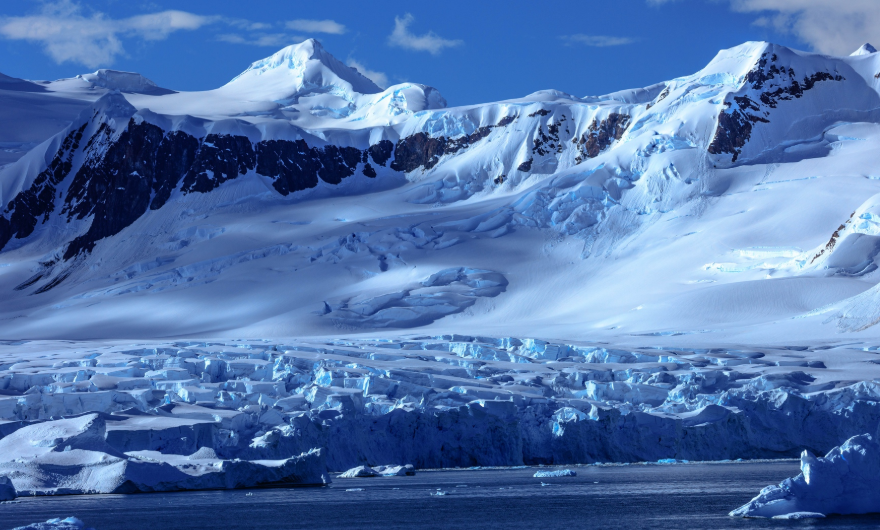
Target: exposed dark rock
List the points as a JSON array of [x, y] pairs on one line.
[[663, 95], [421, 150], [526, 166], [176, 154], [121, 179], [544, 144], [381, 151], [38, 201], [418, 150], [117, 190], [291, 164], [540, 112], [220, 158], [600, 135], [772, 85], [337, 163]]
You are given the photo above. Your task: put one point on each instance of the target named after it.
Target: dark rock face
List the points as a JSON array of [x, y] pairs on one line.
[[22, 213], [124, 178], [295, 166], [421, 150], [220, 158], [544, 144], [418, 150], [526, 166], [289, 163], [381, 151], [772, 84], [663, 95], [600, 135], [117, 189], [337, 163], [176, 154]]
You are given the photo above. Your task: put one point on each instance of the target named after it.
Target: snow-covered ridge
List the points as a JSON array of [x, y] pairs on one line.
[[635, 171], [123, 81]]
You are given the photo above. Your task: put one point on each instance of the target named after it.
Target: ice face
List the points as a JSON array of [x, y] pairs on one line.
[[223, 414], [7, 490], [842, 482]]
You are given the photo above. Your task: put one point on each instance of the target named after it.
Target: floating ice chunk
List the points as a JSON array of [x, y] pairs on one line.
[[800, 515], [7, 490], [395, 471], [845, 481], [71, 523], [556, 473], [360, 472]]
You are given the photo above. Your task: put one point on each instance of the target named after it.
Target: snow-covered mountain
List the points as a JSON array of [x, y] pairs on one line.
[[300, 198], [318, 273]]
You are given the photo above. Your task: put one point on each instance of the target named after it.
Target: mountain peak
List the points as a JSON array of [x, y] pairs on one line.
[[130, 82], [301, 69], [866, 49]]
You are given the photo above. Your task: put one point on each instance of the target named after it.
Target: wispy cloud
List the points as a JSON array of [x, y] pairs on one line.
[[269, 40], [67, 34], [834, 27], [598, 41], [429, 42], [828, 26], [316, 26], [379, 78]]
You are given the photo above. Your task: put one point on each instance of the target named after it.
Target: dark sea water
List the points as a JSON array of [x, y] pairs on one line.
[[631, 497]]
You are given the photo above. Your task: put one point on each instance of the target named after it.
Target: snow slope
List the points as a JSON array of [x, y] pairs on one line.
[[731, 202]]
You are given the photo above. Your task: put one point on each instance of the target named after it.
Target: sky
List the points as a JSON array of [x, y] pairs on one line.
[[472, 51]]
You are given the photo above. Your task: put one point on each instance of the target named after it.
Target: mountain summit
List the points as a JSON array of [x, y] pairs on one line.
[[301, 70], [866, 49]]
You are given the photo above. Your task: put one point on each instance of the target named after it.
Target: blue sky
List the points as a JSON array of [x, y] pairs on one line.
[[472, 51]]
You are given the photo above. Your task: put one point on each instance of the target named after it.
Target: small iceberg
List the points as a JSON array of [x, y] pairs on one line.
[[7, 490], [71, 523], [556, 473], [383, 471], [360, 472], [846, 481]]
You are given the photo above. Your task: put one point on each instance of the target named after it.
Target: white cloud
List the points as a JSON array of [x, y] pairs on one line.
[[377, 77], [599, 41], [317, 26], [429, 42], [272, 40], [68, 35], [836, 27], [829, 26]]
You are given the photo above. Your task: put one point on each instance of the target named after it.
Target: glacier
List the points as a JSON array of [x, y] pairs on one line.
[[302, 273]]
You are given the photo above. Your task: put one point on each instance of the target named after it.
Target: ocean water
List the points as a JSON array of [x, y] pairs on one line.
[[632, 497]]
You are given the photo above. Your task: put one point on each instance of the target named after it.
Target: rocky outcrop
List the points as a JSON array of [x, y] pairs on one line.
[[600, 135], [423, 151], [21, 215], [766, 85], [123, 177]]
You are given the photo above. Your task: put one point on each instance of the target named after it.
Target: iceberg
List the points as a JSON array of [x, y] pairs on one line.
[[70, 523], [556, 473], [360, 472], [71, 456], [396, 471], [846, 481], [7, 490]]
